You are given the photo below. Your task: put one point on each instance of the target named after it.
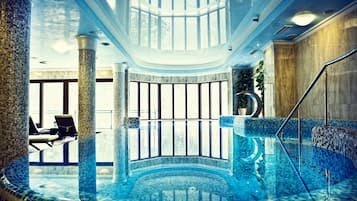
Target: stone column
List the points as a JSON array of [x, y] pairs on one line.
[[14, 82], [86, 115], [119, 124]]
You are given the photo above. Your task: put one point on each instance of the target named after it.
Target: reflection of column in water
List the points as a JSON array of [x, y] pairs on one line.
[[119, 125], [120, 169], [328, 184]]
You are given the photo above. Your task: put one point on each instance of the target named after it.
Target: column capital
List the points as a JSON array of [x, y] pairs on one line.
[[119, 67], [86, 42]]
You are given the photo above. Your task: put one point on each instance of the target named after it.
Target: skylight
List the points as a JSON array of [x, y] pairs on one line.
[[178, 25]]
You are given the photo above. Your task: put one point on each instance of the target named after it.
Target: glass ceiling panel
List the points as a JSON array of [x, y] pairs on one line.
[[178, 25]]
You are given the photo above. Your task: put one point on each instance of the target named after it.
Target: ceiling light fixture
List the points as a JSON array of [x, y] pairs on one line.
[[62, 46], [303, 18]]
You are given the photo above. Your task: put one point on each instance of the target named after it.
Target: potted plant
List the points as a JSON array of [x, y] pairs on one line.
[[259, 78], [244, 82]]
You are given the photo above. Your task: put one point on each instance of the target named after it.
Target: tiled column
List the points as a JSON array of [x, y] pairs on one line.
[[86, 115], [119, 124], [14, 83]]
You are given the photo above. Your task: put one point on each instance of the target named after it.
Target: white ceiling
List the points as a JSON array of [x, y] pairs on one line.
[[59, 21]]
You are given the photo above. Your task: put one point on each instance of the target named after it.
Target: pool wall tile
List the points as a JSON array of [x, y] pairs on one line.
[[338, 139]]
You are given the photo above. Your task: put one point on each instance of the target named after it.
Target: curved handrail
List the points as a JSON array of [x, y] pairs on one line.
[[312, 84]]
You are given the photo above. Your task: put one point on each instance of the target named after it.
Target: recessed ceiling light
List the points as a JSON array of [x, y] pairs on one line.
[[105, 43], [303, 18], [43, 62]]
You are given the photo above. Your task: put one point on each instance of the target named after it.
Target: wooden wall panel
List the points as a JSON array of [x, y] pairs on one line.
[[312, 52]]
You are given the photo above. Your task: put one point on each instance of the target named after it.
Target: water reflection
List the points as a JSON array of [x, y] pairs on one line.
[[165, 160]]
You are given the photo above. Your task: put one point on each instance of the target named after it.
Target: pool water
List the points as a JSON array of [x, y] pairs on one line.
[[200, 161]]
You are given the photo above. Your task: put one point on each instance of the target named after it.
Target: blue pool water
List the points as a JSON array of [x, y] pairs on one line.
[[199, 160]]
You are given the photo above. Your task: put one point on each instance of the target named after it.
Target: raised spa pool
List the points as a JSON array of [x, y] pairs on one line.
[[195, 160]]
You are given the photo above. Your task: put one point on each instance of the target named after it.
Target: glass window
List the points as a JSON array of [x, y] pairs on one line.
[[215, 106], [166, 138], [225, 141], [144, 101], [135, 3], [191, 33], [205, 138], [154, 32], [73, 152], [216, 138], [154, 138], [213, 28], [192, 138], [133, 144], [166, 101], [55, 154], [154, 110], [104, 146], [192, 100], [222, 24], [205, 101], [179, 102], [191, 4], [224, 96], [104, 105], [34, 102], [179, 33], [154, 3], [166, 33], [52, 103], [144, 32], [144, 140], [166, 4], [134, 26], [204, 31], [179, 5], [203, 3], [133, 99], [180, 138]]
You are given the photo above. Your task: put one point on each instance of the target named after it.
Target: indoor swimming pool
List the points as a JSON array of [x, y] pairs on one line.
[[195, 160]]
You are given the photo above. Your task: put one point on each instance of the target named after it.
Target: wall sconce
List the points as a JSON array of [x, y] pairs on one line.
[[303, 18]]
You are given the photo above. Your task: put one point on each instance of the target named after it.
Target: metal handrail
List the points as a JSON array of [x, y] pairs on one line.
[[297, 105], [312, 84]]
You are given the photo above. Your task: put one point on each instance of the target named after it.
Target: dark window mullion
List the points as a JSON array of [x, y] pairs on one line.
[[173, 101], [186, 101], [210, 139], [159, 139], [149, 139], [41, 105], [149, 101], [199, 101], [138, 99], [209, 101], [65, 111], [200, 138], [139, 144], [159, 101], [220, 97]]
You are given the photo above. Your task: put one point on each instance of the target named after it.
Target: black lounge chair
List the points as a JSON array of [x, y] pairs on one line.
[[66, 125], [47, 136], [33, 130]]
